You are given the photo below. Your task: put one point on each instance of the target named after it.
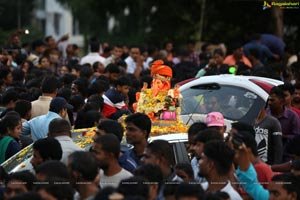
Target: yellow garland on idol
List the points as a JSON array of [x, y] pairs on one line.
[[160, 102]]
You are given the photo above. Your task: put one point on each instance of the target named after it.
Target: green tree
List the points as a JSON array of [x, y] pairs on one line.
[[15, 15], [147, 21], [156, 21]]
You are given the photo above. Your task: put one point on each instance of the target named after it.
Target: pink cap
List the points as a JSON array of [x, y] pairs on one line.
[[214, 119]]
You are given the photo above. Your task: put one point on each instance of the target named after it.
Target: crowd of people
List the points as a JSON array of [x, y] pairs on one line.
[[46, 91]]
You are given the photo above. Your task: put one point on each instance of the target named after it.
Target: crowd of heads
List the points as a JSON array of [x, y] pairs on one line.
[[96, 89]]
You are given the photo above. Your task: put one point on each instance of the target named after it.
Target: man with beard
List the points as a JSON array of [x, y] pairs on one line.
[[84, 170], [107, 150]]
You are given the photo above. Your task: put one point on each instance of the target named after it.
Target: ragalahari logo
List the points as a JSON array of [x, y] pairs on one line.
[[281, 4], [266, 5]]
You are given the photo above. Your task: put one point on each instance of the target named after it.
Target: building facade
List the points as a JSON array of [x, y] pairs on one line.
[[55, 19]]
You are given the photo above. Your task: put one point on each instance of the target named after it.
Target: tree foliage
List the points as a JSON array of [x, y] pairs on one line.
[[158, 21], [148, 21], [14, 13], [10, 10]]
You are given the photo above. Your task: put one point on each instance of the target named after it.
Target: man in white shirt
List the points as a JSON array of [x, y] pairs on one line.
[[93, 56], [60, 129], [135, 61], [107, 151], [116, 55]]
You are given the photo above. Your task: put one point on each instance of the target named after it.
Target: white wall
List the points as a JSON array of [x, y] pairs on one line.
[[63, 22]]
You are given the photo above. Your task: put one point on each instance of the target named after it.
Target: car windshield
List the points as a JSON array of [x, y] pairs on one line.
[[233, 102]]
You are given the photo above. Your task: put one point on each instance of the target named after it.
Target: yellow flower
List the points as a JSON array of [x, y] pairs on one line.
[[23, 165]]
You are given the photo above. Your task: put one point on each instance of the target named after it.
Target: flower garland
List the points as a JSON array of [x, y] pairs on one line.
[[163, 109], [148, 104]]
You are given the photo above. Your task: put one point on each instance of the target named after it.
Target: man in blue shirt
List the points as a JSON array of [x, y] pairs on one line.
[[138, 128], [38, 126], [264, 51], [113, 127]]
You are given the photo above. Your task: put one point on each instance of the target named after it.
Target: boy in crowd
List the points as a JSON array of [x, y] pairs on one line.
[[115, 99]]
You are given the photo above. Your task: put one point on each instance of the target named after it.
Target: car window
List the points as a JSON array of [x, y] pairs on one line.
[[180, 152], [233, 102]]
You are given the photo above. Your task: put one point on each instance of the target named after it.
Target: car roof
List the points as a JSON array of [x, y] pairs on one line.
[[171, 138], [259, 85]]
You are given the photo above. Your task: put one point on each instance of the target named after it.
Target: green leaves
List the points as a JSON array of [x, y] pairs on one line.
[[159, 21]]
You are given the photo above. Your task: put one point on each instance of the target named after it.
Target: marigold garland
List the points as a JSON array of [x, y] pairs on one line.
[[154, 106]]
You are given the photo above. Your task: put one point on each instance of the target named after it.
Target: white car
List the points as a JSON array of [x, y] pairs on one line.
[[21, 161], [243, 96], [178, 142], [238, 98]]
